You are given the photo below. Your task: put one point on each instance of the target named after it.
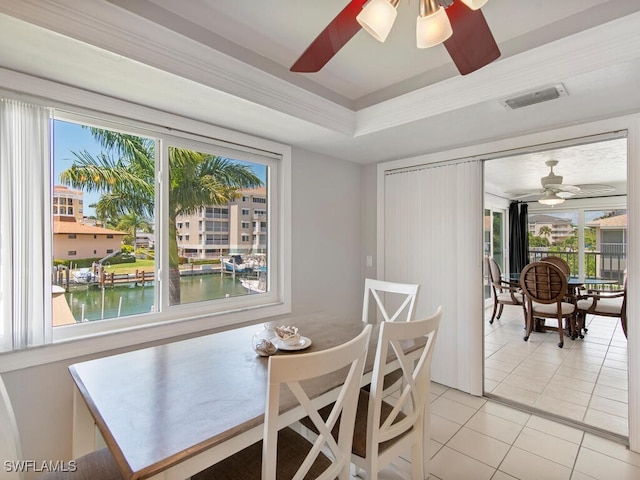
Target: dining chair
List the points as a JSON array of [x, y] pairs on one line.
[[285, 453], [395, 301], [384, 430], [99, 465], [605, 303], [559, 262], [545, 286], [504, 293]]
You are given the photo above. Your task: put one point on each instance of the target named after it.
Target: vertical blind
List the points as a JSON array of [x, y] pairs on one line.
[[433, 237], [24, 224]]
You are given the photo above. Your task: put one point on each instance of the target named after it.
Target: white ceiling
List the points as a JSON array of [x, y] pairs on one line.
[[226, 62]]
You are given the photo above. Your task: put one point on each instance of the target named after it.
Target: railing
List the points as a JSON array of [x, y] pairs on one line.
[[608, 265]]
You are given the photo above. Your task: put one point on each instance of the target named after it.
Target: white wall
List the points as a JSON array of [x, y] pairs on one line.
[[326, 275]]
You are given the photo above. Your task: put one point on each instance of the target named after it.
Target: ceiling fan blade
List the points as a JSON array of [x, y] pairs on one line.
[[472, 45], [331, 39]]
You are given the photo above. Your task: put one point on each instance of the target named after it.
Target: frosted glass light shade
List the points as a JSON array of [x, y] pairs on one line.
[[377, 18], [551, 198], [474, 4], [433, 29]]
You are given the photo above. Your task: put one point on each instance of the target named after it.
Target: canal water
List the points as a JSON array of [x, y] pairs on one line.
[[134, 300]]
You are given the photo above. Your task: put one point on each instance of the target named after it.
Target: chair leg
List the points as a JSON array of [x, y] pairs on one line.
[[529, 320], [493, 315], [500, 311], [560, 332]]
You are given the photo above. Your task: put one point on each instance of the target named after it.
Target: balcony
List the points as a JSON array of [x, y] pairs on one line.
[[609, 263]]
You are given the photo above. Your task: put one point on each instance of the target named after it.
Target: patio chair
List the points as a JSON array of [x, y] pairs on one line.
[[504, 293], [605, 303], [99, 465], [545, 286], [287, 453]]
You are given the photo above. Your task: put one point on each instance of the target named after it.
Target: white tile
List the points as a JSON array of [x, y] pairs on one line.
[[516, 394], [527, 466], [573, 383], [568, 394], [547, 446], [618, 365], [481, 447], [525, 383], [606, 421], [496, 427], [508, 413], [454, 411], [611, 449], [437, 388], [581, 476], [502, 476], [613, 381], [490, 385], [612, 393], [451, 465], [556, 429], [464, 398], [609, 406], [493, 374], [442, 429], [603, 467], [564, 408]]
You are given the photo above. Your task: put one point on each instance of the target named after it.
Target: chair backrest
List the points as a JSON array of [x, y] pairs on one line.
[[558, 262], [9, 440], [291, 370], [494, 273], [408, 412], [543, 282], [394, 300]]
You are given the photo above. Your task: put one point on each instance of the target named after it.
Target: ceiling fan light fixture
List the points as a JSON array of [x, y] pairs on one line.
[[377, 17], [475, 4], [551, 199], [432, 26]]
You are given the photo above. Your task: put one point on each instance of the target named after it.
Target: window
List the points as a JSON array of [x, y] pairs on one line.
[[158, 166], [259, 200], [246, 225], [245, 237], [245, 211]]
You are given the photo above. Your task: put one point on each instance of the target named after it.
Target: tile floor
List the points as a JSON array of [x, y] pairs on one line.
[[474, 438], [585, 381]]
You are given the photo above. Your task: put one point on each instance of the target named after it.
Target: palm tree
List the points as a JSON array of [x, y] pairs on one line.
[[124, 173], [545, 231], [134, 222]]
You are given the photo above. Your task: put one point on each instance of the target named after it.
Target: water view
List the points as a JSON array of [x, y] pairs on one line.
[[86, 302]]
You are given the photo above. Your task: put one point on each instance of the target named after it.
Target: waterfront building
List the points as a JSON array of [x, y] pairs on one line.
[[561, 228], [239, 226]]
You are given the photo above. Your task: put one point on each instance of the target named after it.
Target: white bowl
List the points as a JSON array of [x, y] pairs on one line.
[[288, 335]]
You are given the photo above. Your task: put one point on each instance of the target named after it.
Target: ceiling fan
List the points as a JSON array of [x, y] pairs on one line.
[[554, 192], [459, 24]]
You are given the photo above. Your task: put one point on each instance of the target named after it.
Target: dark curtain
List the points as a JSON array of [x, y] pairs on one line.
[[518, 237]]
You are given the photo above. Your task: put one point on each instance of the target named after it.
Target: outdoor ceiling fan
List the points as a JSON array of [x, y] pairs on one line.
[[554, 192], [459, 24]]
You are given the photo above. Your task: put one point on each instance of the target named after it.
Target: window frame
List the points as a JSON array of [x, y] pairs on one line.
[[195, 317]]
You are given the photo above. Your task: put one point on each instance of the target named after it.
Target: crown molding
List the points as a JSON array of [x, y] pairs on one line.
[[605, 45], [104, 25]]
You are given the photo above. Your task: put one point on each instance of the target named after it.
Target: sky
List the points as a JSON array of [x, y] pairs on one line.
[[71, 137]]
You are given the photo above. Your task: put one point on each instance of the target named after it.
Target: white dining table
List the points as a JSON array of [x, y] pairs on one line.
[[172, 410]]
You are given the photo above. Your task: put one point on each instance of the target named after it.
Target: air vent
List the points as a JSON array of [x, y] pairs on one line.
[[531, 98]]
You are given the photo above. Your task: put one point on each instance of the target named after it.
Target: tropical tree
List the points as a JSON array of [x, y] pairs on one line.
[[545, 231], [124, 174], [133, 222]]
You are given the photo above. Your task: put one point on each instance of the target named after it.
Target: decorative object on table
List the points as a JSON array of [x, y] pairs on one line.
[[264, 342], [288, 338]]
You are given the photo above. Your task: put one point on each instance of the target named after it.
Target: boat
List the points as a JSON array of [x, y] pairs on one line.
[[235, 263], [255, 285]]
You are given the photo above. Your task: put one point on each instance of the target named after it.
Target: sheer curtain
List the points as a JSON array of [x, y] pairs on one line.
[[433, 236], [25, 225]]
